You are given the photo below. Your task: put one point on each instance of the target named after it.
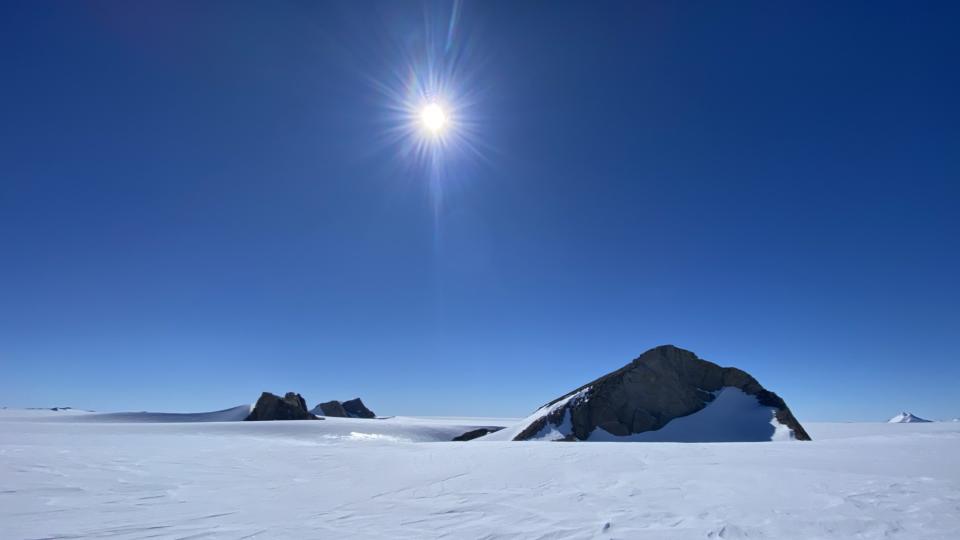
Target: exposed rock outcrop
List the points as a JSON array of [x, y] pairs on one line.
[[476, 433], [662, 384], [331, 408], [292, 406], [353, 408], [356, 409]]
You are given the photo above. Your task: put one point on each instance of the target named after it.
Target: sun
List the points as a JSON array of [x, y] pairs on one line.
[[434, 118]]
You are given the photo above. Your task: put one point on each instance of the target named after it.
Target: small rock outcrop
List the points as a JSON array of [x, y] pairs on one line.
[[353, 408], [662, 384], [356, 409], [291, 406], [476, 433], [331, 408]]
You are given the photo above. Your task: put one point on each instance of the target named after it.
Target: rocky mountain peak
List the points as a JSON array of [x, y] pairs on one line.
[[660, 385]]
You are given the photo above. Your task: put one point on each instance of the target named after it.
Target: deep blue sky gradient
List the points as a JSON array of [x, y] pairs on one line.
[[196, 204]]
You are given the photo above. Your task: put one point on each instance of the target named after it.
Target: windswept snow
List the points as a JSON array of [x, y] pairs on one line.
[[233, 414], [339, 479], [906, 418]]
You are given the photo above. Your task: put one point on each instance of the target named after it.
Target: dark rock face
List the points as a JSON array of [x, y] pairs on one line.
[[476, 433], [331, 408], [292, 406], [662, 384], [356, 409], [353, 408]]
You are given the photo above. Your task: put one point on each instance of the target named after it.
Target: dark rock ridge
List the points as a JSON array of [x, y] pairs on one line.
[[353, 408], [292, 406], [476, 433], [356, 409], [331, 408], [662, 384]]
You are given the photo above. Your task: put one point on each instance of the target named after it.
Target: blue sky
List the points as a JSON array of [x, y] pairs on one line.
[[201, 201]]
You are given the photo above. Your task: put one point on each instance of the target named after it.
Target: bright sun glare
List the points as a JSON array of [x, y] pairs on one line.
[[433, 118]]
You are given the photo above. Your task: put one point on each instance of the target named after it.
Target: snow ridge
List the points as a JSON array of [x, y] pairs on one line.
[[906, 418]]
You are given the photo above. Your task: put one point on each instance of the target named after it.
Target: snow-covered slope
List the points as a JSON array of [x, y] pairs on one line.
[[326, 479], [233, 414], [906, 418], [37, 413]]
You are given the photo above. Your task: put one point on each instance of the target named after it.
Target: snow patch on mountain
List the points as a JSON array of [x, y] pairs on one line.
[[906, 418], [550, 431]]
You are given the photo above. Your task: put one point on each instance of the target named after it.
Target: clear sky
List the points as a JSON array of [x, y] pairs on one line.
[[200, 201]]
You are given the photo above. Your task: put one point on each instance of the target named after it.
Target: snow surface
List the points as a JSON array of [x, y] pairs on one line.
[[906, 418], [353, 478]]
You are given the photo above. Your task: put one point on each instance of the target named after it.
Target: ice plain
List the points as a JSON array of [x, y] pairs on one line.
[[66, 475]]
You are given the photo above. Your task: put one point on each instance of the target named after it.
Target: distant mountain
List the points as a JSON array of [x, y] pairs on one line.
[[666, 394], [330, 408], [906, 418], [356, 409], [353, 408], [291, 406]]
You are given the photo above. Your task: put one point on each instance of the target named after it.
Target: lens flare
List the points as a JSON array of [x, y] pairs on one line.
[[433, 88]]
